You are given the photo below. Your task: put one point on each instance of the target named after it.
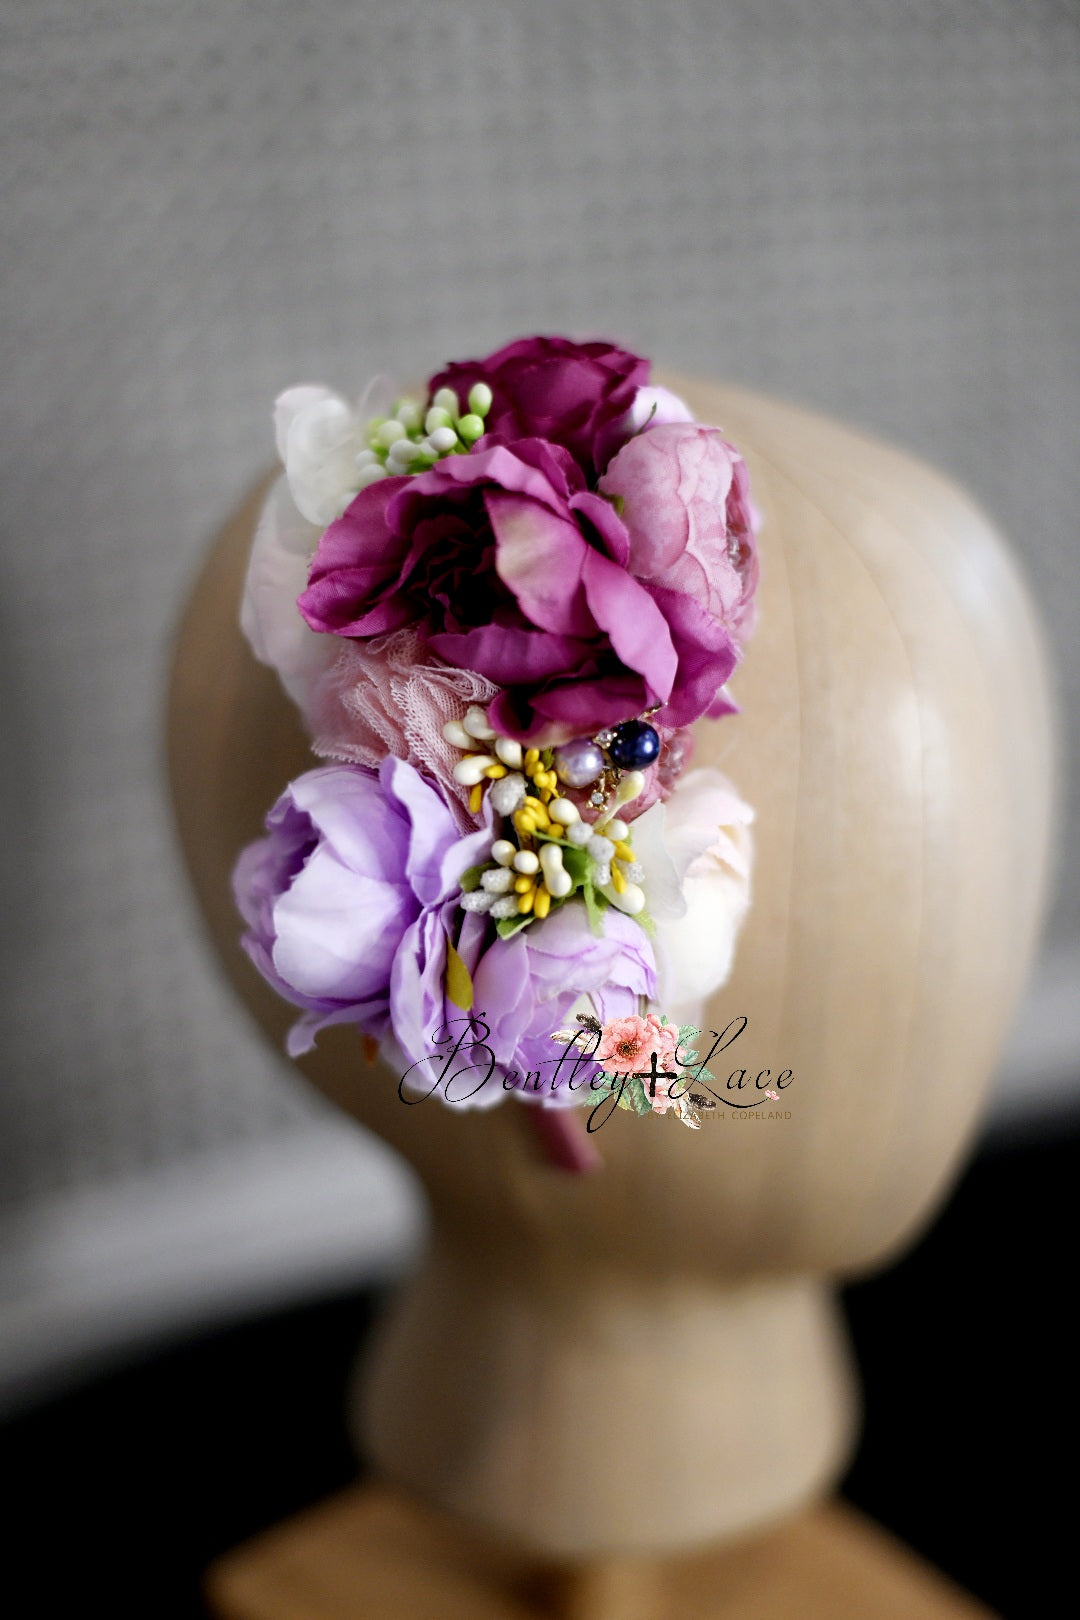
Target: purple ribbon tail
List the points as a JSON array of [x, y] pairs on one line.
[[564, 1140]]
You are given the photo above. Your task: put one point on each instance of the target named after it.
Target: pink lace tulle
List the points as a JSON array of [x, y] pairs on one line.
[[390, 695]]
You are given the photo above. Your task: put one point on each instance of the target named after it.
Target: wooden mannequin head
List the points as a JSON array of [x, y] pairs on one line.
[[895, 742]]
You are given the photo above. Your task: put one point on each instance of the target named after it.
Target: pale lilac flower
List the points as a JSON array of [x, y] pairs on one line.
[[352, 897]]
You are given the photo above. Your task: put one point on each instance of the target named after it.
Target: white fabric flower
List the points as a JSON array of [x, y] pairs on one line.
[[654, 407], [319, 436], [269, 617], [706, 852]]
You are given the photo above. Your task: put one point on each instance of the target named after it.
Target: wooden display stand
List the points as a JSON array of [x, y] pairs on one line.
[[375, 1552], [639, 1363]]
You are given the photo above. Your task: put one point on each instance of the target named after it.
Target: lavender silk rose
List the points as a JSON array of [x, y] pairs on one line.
[[526, 986], [352, 899], [352, 895], [555, 389]]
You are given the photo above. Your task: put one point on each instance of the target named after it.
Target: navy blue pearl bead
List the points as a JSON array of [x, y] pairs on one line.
[[634, 746]]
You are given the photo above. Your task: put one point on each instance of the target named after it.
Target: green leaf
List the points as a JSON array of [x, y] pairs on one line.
[[647, 924], [687, 1032], [513, 925], [639, 1097], [470, 878], [595, 906], [578, 862]]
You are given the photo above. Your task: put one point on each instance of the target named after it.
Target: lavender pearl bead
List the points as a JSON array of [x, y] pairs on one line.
[[579, 762]]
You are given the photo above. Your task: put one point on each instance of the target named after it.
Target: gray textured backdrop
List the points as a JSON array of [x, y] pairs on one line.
[[870, 207]]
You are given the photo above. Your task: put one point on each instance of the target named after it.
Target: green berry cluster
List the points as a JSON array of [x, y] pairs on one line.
[[411, 440]]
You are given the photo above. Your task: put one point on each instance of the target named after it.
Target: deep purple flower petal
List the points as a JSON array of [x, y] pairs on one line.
[[575, 708], [553, 388], [707, 656], [634, 623], [508, 565], [510, 656], [540, 556]]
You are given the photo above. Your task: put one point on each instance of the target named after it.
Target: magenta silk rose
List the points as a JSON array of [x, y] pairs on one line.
[[507, 564], [553, 388]]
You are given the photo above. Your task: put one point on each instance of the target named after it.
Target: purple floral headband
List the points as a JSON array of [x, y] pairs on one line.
[[498, 610]]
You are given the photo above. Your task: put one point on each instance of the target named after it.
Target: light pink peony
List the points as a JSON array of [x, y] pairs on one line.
[[683, 493]]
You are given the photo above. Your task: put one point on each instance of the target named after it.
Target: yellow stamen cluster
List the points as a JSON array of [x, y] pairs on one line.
[[532, 895], [623, 852], [544, 779], [476, 792], [485, 756], [532, 892], [532, 818]]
